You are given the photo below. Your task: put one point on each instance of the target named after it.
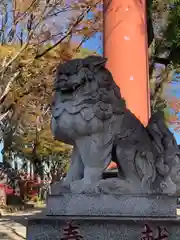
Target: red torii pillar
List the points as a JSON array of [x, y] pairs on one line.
[[126, 47]]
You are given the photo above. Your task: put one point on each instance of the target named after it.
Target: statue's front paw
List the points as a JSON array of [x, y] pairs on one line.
[[168, 187], [65, 184], [59, 187], [79, 186]]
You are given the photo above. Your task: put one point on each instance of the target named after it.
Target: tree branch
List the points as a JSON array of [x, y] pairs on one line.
[[30, 34], [159, 87], [69, 32], [3, 115], [8, 87], [25, 93]]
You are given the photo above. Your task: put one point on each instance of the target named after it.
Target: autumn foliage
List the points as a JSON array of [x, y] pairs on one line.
[[35, 37]]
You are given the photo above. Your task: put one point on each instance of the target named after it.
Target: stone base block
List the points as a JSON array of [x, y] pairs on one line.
[[103, 228], [68, 204]]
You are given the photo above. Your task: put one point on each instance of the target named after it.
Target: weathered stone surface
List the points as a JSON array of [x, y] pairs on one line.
[[104, 228], [111, 205], [89, 113]]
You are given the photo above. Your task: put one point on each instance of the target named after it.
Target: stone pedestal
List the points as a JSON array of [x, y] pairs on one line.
[[106, 217], [111, 205], [105, 228]]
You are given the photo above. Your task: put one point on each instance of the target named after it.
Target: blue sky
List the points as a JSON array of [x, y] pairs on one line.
[[175, 91], [177, 136], [95, 44]]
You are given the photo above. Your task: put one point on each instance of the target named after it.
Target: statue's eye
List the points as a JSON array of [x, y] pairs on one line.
[[63, 77], [90, 78], [84, 79]]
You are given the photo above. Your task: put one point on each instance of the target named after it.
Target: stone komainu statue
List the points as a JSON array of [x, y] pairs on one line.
[[89, 113]]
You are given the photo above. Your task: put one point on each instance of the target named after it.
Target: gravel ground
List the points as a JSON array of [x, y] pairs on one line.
[[13, 226]]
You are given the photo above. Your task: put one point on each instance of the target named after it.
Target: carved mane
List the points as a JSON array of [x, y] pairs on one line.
[[102, 87]]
